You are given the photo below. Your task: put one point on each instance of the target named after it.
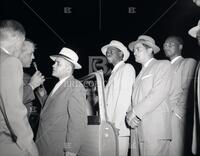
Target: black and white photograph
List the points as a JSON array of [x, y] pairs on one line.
[[100, 78]]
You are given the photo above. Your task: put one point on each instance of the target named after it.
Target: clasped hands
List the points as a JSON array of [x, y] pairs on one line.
[[132, 119]]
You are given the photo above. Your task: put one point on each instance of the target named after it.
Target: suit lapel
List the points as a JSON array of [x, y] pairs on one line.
[[57, 92], [112, 76], [177, 63], [145, 70]]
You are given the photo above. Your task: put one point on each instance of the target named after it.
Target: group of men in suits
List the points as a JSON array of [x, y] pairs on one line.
[[153, 104], [142, 101], [156, 103], [63, 117]]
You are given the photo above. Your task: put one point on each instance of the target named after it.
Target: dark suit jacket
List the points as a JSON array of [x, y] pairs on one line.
[[30, 96], [11, 90], [63, 120]]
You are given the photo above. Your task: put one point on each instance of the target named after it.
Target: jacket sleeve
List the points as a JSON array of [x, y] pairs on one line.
[[187, 77], [28, 94], [77, 121], [159, 91], [15, 109]]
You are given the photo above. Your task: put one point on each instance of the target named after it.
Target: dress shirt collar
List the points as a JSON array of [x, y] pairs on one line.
[[65, 78], [58, 84], [175, 59], [148, 62], [117, 66], [6, 51]]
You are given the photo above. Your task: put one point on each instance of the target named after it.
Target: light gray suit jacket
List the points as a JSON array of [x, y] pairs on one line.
[[63, 120], [11, 90], [150, 100], [184, 69]]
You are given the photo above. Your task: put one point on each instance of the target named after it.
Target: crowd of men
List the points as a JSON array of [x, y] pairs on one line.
[[150, 111]]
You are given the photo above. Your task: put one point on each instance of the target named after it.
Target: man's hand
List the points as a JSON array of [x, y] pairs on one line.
[[70, 154], [42, 91], [36, 80], [132, 119]]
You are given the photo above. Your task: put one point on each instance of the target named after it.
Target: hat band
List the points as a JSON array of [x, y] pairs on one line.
[[143, 40], [66, 57]]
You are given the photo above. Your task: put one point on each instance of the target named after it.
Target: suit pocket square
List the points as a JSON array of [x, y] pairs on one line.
[[146, 76]]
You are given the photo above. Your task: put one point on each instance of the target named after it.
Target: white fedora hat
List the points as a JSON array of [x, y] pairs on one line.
[[69, 55], [118, 45], [147, 40], [193, 31]]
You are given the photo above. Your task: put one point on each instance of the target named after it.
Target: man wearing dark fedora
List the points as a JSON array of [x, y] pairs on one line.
[[63, 118], [149, 115], [118, 91], [195, 33]]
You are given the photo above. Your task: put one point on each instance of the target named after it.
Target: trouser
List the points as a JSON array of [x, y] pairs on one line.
[[151, 148], [123, 145], [177, 143], [155, 148]]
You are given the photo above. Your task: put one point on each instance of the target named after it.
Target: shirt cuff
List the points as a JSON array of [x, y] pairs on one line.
[[31, 86]]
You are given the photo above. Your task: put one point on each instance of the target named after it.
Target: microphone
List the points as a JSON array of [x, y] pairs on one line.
[[36, 68]]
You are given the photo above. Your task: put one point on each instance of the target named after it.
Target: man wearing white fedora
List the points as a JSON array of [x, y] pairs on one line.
[[63, 118], [118, 91], [149, 115], [195, 32]]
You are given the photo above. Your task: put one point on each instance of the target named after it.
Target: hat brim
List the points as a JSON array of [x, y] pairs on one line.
[[155, 48], [76, 65], [193, 31], [126, 52]]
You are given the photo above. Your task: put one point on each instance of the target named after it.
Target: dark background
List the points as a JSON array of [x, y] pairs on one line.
[[94, 23]]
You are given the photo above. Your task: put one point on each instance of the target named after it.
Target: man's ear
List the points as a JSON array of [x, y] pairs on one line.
[[180, 47]]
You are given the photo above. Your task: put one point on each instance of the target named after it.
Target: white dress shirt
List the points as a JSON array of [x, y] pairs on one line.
[[117, 66], [58, 84], [6, 51]]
